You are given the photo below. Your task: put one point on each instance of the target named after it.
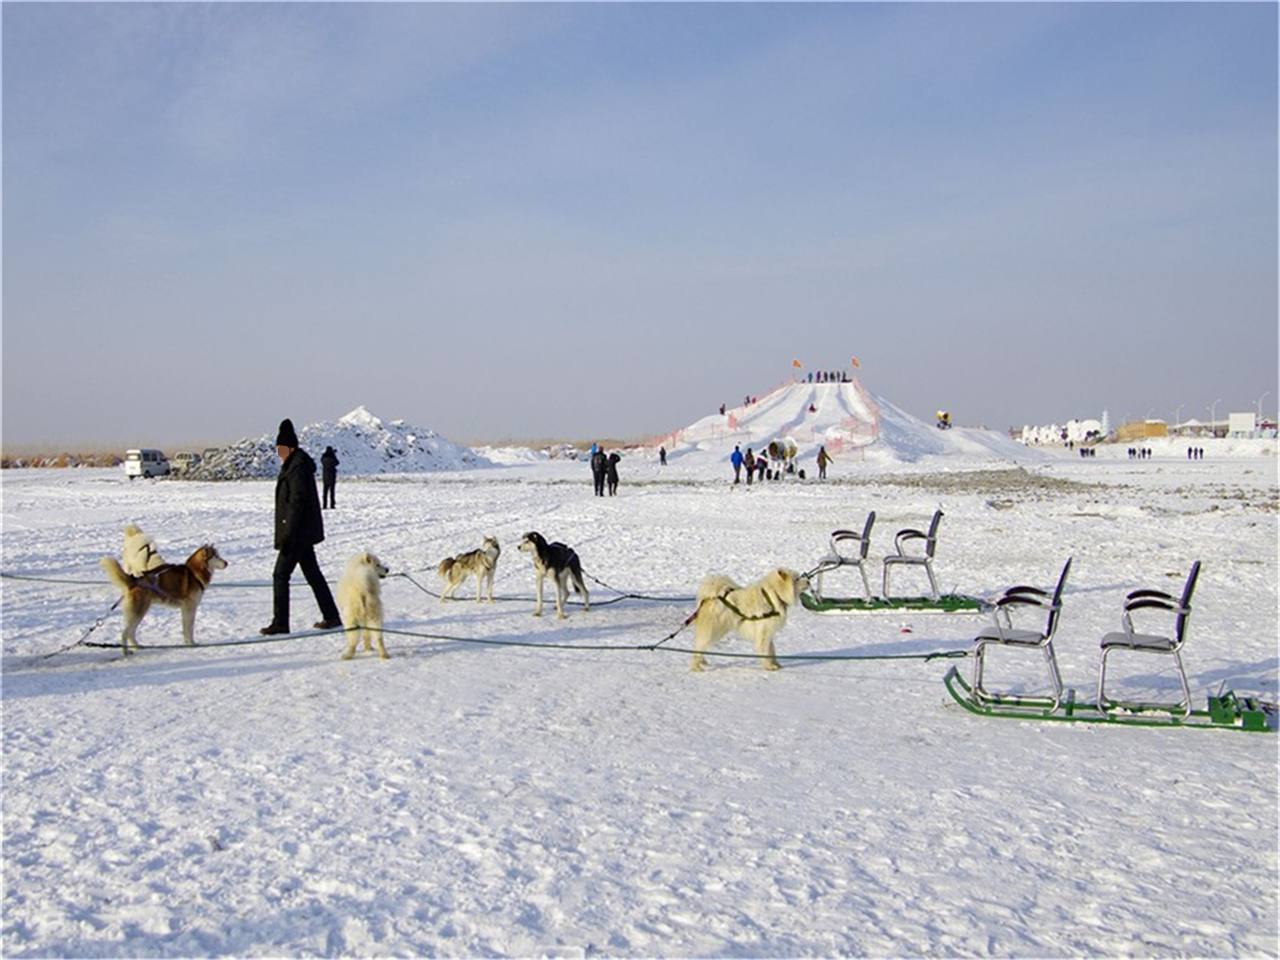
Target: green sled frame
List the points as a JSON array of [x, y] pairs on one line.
[[947, 603], [1226, 711]]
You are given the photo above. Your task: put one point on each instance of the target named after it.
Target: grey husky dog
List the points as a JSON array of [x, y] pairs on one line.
[[478, 563]]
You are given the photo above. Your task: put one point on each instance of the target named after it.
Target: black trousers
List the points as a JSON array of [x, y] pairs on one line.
[[327, 493], [304, 557], [599, 483]]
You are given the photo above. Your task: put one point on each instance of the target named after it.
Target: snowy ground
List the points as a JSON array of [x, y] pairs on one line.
[[464, 799]]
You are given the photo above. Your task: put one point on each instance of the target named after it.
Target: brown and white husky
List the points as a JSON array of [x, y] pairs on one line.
[[179, 585]]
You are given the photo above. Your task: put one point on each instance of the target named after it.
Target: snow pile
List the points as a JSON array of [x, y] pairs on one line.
[[364, 443], [844, 417], [514, 456]]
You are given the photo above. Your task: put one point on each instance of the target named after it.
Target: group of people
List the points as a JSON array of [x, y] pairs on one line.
[[828, 376], [1139, 453], [604, 469], [1087, 452], [758, 467], [1195, 453]]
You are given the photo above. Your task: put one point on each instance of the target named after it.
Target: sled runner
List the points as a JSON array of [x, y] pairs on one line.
[[1226, 711], [944, 603]]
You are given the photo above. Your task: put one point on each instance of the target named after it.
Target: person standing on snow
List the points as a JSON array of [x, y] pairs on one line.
[[736, 460], [823, 459], [611, 473], [749, 461], [598, 464], [299, 527], [329, 472], [662, 456]]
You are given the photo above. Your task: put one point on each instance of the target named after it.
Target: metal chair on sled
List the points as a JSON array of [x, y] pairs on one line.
[[1129, 639], [1003, 633], [835, 559], [919, 560]]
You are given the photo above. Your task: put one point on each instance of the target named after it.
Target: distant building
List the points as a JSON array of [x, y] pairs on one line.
[[1141, 430], [1242, 425]]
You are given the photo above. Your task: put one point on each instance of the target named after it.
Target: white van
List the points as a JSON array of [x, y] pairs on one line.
[[145, 463]]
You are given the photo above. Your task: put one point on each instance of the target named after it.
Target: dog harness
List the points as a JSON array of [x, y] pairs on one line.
[[774, 603], [151, 580]]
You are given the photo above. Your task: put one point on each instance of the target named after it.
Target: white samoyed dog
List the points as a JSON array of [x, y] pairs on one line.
[[360, 602]]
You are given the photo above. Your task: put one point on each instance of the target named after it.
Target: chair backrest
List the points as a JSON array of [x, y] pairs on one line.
[[1188, 589], [931, 539], [1056, 609], [866, 534]]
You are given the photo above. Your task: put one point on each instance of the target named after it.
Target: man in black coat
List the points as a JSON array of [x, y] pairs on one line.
[[598, 466], [329, 470], [299, 527]]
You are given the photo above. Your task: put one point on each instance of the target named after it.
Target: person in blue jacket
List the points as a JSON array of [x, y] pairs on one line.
[[736, 460]]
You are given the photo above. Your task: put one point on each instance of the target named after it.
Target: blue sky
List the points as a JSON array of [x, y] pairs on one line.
[[575, 220]]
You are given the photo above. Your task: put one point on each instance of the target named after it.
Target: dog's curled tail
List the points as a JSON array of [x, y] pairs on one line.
[[115, 573], [445, 566]]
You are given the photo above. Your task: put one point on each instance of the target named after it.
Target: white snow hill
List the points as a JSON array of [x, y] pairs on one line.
[[851, 422], [364, 443]]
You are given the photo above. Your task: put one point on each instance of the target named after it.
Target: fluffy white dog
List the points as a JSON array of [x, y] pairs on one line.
[[140, 554], [360, 602], [755, 612]]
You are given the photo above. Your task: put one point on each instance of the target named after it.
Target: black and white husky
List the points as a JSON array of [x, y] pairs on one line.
[[559, 562]]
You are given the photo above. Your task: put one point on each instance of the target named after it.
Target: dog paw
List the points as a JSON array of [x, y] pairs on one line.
[[348, 655], [384, 655], [773, 666]]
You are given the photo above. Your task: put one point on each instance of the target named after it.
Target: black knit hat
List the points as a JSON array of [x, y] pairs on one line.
[[286, 437]]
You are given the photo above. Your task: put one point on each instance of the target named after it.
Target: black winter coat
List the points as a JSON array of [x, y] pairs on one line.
[[298, 519], [329, 466]]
